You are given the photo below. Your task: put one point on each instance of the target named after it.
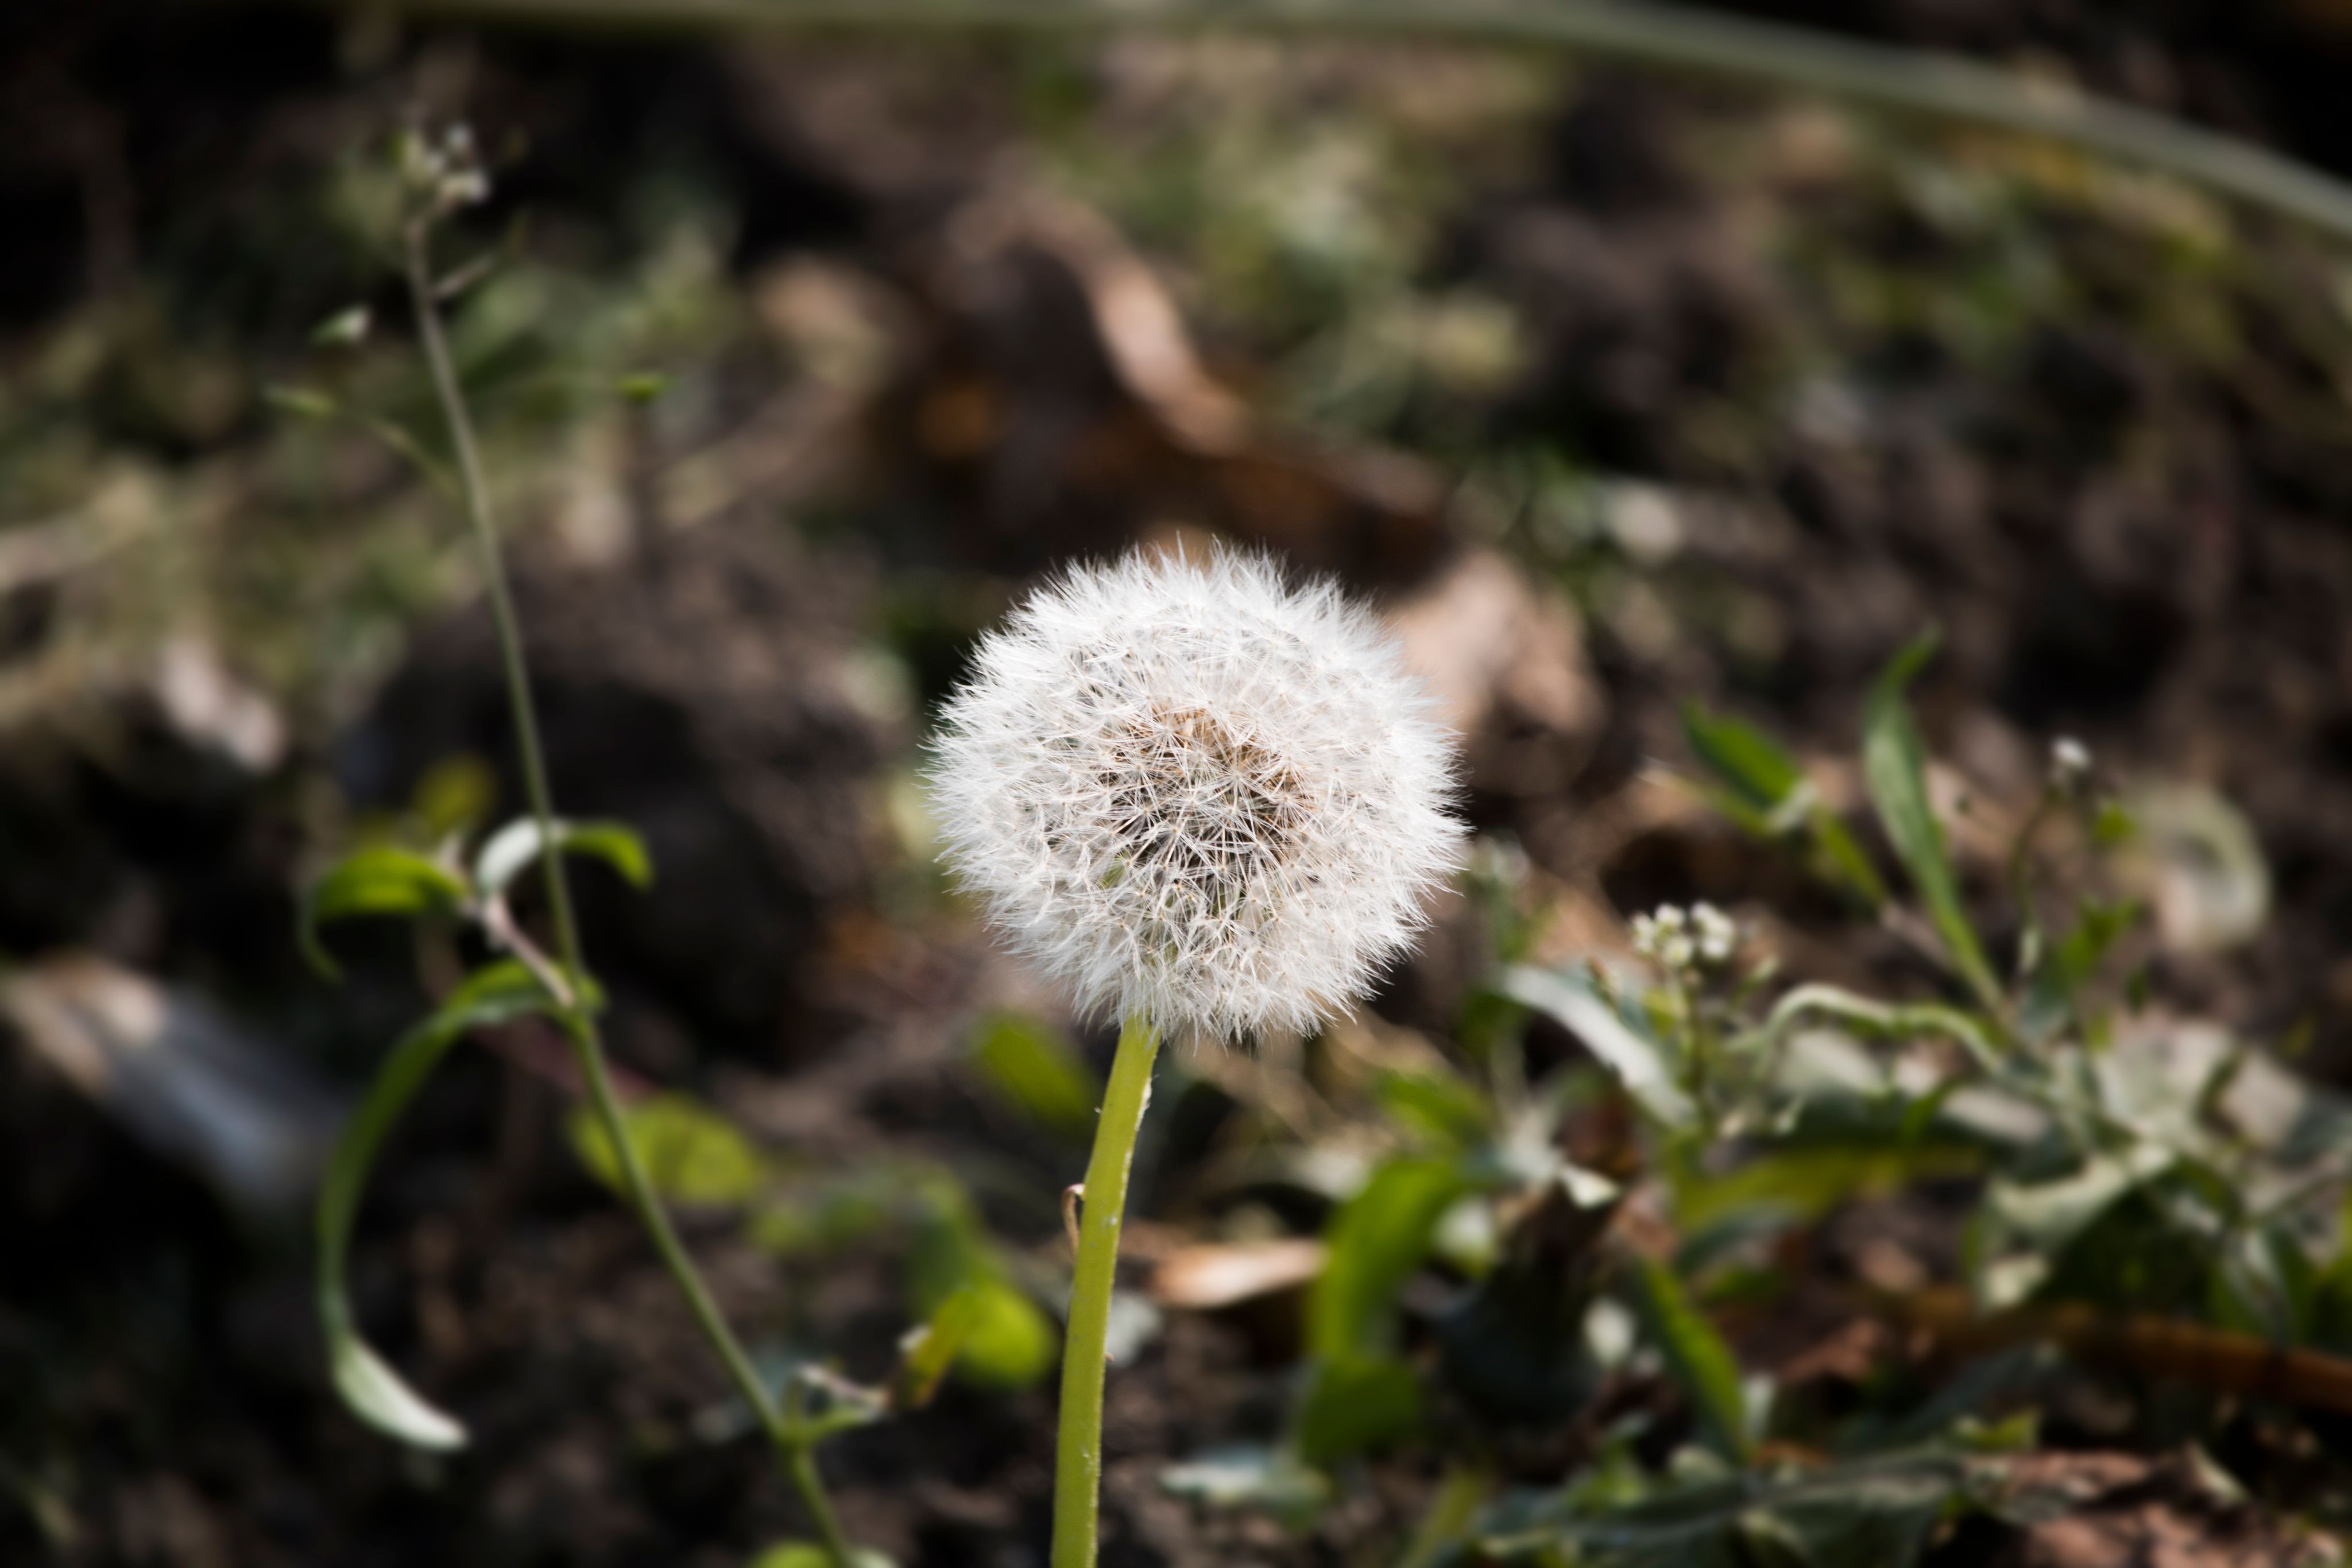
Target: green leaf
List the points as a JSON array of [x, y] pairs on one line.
[[2047, 1215], [808, 1554], [345, 327], [376, 1394], [1011, 1343], [1357, 1404], [1769, 1540], [376, 881], [822, 1215], [1038, 1072], [1438, 1106], [2085, 1234], [1695, 1355], [1862, 1513], [2113, 825], [1251, 1475], [927, 1352], [1922, 1112], [2049, 1001], [1451, 1512], [1894, 768], [2264, 1285], [452, 797], [793, 1554], [1843, 858], [1766, 793], [1885, 1021], [1570, 1001], [2331, 1305], [498, 994], [516, 845], [303, 402], [1376, 1240], [690, 1153], [1750, 762], [1806, 1182]]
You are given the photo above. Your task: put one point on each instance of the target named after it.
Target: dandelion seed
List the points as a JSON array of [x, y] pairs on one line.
[[1194, 794]]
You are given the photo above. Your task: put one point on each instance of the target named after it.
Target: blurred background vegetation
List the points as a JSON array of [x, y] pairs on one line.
[[798, 351]]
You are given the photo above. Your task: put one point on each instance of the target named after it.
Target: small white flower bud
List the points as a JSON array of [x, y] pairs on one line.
[[443, 175], [464, 188], [1647, 936], [1717, 936], [1679, 938], [420, 164]]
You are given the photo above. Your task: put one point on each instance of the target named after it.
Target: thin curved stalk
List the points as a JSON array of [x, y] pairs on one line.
[[1674, 37], [800, 1458], [577, 1020], [1077, 1455]]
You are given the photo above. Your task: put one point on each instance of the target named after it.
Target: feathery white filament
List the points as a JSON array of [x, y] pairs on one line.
[[1190, 791]]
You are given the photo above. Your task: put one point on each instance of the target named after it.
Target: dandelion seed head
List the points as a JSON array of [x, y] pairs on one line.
[[1188, 790]]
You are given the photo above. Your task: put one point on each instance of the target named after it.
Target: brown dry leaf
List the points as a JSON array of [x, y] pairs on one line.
[[1483, 638], [1141, 331], [1062, 390], [1505, 662], [2142, 1345], [1136, 323], [1979, 827], [2121, 1511], [1223, 1274], [1849, 1352]]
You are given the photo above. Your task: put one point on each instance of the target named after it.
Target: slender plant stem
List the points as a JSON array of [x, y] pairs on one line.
[[2021, 867], [578, 1019], [800, 1458], [1678, 37], [1077, 1459]]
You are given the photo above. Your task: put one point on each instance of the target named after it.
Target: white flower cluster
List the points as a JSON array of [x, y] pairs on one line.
[[1685, 939], [446, 174], [1189, 791]]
